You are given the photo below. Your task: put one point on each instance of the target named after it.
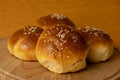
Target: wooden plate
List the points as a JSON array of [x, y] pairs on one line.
[[22, 70]]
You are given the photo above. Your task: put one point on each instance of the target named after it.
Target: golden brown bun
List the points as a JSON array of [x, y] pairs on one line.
[[22, 43], [61, 49], [100, 44], [53, 20]]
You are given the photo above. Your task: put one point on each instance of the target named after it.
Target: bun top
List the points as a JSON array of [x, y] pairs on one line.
[[58, 41], [55, 19], [94, 35], [62, 49], [29, 32], [27, 36]]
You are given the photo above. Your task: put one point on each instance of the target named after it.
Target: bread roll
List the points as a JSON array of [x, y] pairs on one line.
[[61, 49], [55, 19], [100, 44], [22, 43]]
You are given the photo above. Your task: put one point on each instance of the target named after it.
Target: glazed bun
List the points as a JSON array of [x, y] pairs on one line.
[[53, 20], [100, 44], [22, 43], [61, 49], [59, 46]]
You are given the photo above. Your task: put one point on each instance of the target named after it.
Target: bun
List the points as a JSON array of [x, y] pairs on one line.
[[100, 44], [61, 49], [22, 43], [59, 46], [53, 20]]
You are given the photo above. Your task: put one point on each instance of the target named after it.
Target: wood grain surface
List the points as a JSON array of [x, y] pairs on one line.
[[12, 68]]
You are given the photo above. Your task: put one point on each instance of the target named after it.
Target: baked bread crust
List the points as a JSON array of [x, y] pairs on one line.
[[22, 43], [53, 20], [61, 49], [100, 44]]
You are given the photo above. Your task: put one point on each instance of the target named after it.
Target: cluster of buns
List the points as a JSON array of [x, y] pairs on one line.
[[59, 46]]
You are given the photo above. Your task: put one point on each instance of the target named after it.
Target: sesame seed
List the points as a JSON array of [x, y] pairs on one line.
[[53, 53], [37, 34], [58, 24], [24, 29], [74, 41], [29, 32], [57, 41], [44, 41], [79, 28], [61, 27], [49, 33], [42, 20], [59, 49], [45, 34], [69, 26], [68, 57], [56, 28], [94, 31], [61, 44], [73, 37], [53, 26], [32, 30], [24, 33], [64, 41], [88, 27], [67, 31], [48, 40], [58, 16], [95, 34], [62, 35], [50, 27], [29, 29], [62, 48]]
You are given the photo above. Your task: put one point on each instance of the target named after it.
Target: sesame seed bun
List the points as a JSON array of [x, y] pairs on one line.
[[100, 44], [61, 49], [21, 43], [53, 20]]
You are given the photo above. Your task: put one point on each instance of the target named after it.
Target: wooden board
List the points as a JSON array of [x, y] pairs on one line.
[[22, 70]]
